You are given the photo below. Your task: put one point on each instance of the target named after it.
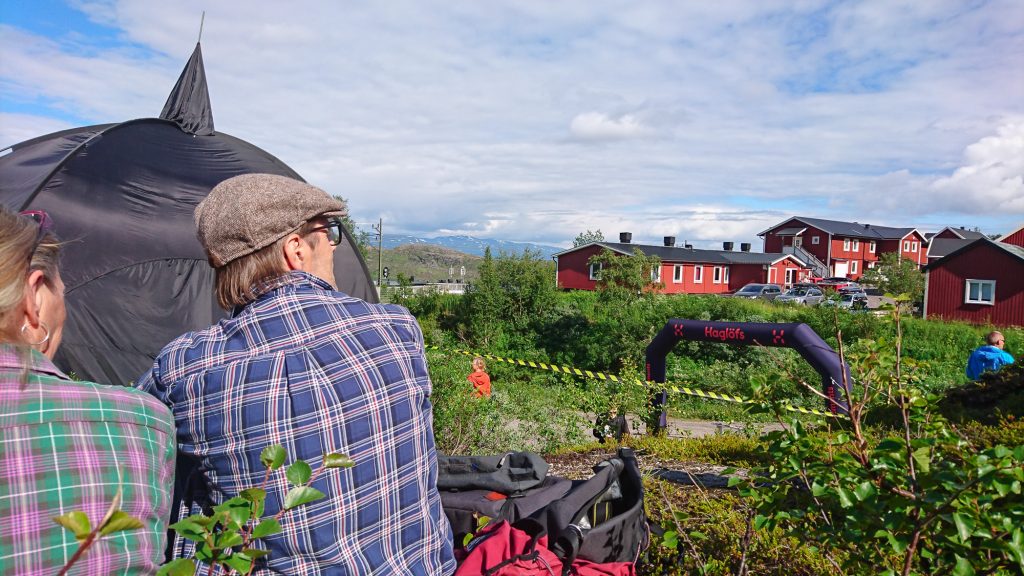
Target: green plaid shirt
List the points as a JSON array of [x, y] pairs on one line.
[[66, 446]]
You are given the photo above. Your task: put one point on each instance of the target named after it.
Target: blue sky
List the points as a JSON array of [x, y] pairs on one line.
[[536, 120]]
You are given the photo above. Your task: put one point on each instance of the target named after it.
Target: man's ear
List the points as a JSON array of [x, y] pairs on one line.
[[296, 252]]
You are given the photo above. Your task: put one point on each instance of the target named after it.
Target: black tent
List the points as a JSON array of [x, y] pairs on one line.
[[122, 197]]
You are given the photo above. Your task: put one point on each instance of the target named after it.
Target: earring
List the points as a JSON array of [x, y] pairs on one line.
[[45, 338]]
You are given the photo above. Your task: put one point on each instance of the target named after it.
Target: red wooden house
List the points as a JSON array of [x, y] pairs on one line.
[[981, 282], [684, 270], [834, 248]]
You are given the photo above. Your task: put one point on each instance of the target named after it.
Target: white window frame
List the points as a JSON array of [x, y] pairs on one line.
[[716, 276], [855, 245], [790, 276], [677, 274], [725, 276], [906, 245], [871, 265], [815, 240], [981, 284], [871, 247], [846, 244], [913, 246], [595, 270], [656, 273], [698, 274], [853, 266]]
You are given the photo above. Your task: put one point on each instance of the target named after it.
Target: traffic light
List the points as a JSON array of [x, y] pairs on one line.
[[385, 271]]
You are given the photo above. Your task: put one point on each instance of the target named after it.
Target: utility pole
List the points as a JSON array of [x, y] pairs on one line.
[[379, 228]]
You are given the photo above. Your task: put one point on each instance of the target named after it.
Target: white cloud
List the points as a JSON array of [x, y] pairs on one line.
[[598, 126], [720, 118], [992, 177]]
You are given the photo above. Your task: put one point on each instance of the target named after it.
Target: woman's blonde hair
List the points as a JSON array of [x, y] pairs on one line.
[[235, 283], [478, 362], [18, 247]]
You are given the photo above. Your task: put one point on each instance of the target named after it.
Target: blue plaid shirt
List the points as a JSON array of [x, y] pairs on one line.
[[318, 372]]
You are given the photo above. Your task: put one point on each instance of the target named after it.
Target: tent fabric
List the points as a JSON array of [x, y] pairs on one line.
[[122, 198], [188, 106]]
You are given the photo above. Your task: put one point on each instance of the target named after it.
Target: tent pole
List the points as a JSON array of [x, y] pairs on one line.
[[202, 20]]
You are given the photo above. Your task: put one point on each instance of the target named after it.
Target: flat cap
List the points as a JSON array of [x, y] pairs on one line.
[[252, 211]]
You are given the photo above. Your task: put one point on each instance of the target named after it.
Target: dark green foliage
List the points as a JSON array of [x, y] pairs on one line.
[[895, 275], [584, 238], [994, 396], [912, 499]]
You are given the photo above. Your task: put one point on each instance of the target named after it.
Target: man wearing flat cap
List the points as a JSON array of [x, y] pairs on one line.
[[300, 364]]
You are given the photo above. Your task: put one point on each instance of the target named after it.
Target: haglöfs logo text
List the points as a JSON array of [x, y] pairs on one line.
[[724, 334]]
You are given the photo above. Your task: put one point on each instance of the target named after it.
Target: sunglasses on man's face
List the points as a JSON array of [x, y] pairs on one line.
[[334, 230]]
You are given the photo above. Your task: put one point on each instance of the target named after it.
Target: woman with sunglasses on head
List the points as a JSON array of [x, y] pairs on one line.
[[69, 446]]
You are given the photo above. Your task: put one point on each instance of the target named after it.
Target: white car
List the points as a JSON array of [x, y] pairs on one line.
[[808, 295]]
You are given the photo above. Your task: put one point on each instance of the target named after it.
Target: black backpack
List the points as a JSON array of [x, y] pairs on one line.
[[601, 519]]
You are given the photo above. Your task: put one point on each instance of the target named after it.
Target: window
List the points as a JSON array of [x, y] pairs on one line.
[[656, 274], [698, 274], [855, 245], [980, 292], [595, 271], [853, 266], [871, 265], [913, 246], [871, 247], [717, 276], [815, 240], [677, 274], [726, 278], [906, 245], [790, 275], [846, 244]]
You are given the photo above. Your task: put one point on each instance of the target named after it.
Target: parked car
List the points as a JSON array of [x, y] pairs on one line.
[[852, 288], [762, 291], [835, 282], [848, 300], [802, 294]]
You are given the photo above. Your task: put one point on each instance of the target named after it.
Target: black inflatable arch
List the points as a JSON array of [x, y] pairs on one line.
[[800, 337]]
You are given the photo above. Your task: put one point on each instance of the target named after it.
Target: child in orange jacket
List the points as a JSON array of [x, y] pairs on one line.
[[481, 381]]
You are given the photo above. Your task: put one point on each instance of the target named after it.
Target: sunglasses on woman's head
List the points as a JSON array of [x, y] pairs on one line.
[[45, 224]]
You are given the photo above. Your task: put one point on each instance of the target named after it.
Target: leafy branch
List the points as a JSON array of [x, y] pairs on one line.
[[227, 537]]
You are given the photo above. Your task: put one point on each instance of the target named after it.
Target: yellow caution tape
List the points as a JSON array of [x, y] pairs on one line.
[[612, 377]]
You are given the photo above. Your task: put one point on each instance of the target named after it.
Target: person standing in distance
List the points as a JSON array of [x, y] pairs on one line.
[[300, 364], [990, 357]]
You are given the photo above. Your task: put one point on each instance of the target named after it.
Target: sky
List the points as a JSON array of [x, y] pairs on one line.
[[534, 121]]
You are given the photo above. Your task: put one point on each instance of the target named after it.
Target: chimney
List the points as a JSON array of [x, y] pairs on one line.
[[745, 247], [670, 241], [727, 246], [625, 237]]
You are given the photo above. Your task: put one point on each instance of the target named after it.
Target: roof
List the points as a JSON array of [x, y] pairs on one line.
[[790, 231], [963, 233], [1015, 251], [679, 254], [940, 247], [850, 229]]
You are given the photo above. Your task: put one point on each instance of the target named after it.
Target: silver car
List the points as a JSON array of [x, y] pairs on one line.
[[808, 295], [762, 291]]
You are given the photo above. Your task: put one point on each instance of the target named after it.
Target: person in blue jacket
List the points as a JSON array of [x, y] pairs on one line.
[[989, 357]]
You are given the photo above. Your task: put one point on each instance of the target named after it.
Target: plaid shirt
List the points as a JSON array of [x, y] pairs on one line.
[[318, 372], [66, 446]]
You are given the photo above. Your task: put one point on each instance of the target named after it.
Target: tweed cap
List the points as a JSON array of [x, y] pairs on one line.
[[252, 211]]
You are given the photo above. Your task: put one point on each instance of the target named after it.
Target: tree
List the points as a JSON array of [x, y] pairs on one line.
[[512, 293], [895, 275], [360, 238], [584, 238], [625, 277]]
